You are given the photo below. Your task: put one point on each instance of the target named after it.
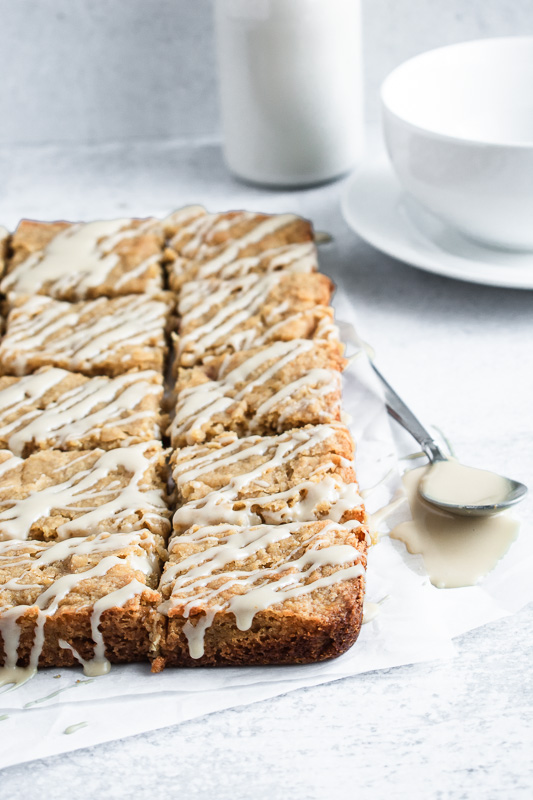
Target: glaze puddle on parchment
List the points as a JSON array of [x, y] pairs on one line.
[[457, 551]]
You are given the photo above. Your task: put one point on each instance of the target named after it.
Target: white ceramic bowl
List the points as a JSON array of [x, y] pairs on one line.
[[458, 124]]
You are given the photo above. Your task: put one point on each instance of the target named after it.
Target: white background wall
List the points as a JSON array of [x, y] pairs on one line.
[[107, 70]]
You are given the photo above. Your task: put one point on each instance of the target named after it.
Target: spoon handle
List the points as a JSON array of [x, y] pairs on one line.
[[402, 414]]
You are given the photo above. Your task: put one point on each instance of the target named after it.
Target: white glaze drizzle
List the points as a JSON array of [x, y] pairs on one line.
[[199, 404], [73, 416], [198, 297], [16, 676], [202, 231], [112, 505], [303, 502], [99, 665], [182, 217], [370, 611], [299, 258], [75, 728], [80, 257], [278, 449], [199, 580], [117, 325], [317, 382]]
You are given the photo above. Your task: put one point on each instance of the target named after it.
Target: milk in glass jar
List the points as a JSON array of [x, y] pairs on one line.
[[290, 88]]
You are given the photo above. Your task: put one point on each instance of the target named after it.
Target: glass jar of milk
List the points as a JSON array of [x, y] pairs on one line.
[[290, 78]]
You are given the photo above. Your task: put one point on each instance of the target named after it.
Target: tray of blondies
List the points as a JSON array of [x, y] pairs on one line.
[[177, 485]]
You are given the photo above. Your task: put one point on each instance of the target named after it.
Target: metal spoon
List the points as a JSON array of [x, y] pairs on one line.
[[446, 484]]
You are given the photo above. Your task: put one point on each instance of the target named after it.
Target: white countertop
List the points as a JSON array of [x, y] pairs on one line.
[[461, 355]]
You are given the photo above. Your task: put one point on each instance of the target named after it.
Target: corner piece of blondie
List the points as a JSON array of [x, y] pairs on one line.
[[266, 594]]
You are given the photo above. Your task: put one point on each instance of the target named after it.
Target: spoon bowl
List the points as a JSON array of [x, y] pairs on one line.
[[458, 489]]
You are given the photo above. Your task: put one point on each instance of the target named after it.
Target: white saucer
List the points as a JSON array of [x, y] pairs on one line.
[[375, 207]]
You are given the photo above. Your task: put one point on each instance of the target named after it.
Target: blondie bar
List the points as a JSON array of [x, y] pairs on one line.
[[219, 317], [222, 239], [301, 475], [268, 389], [90, 600], [56, 409], [265, 594], [96, 337], [299, 258], [53, 495], [85, 260]]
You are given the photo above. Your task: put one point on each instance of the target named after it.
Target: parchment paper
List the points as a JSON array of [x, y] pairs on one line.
[[416, 622]]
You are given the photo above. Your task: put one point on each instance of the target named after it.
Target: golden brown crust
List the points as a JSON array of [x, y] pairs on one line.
[[4, 246], [273, 638], [129, 634]]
